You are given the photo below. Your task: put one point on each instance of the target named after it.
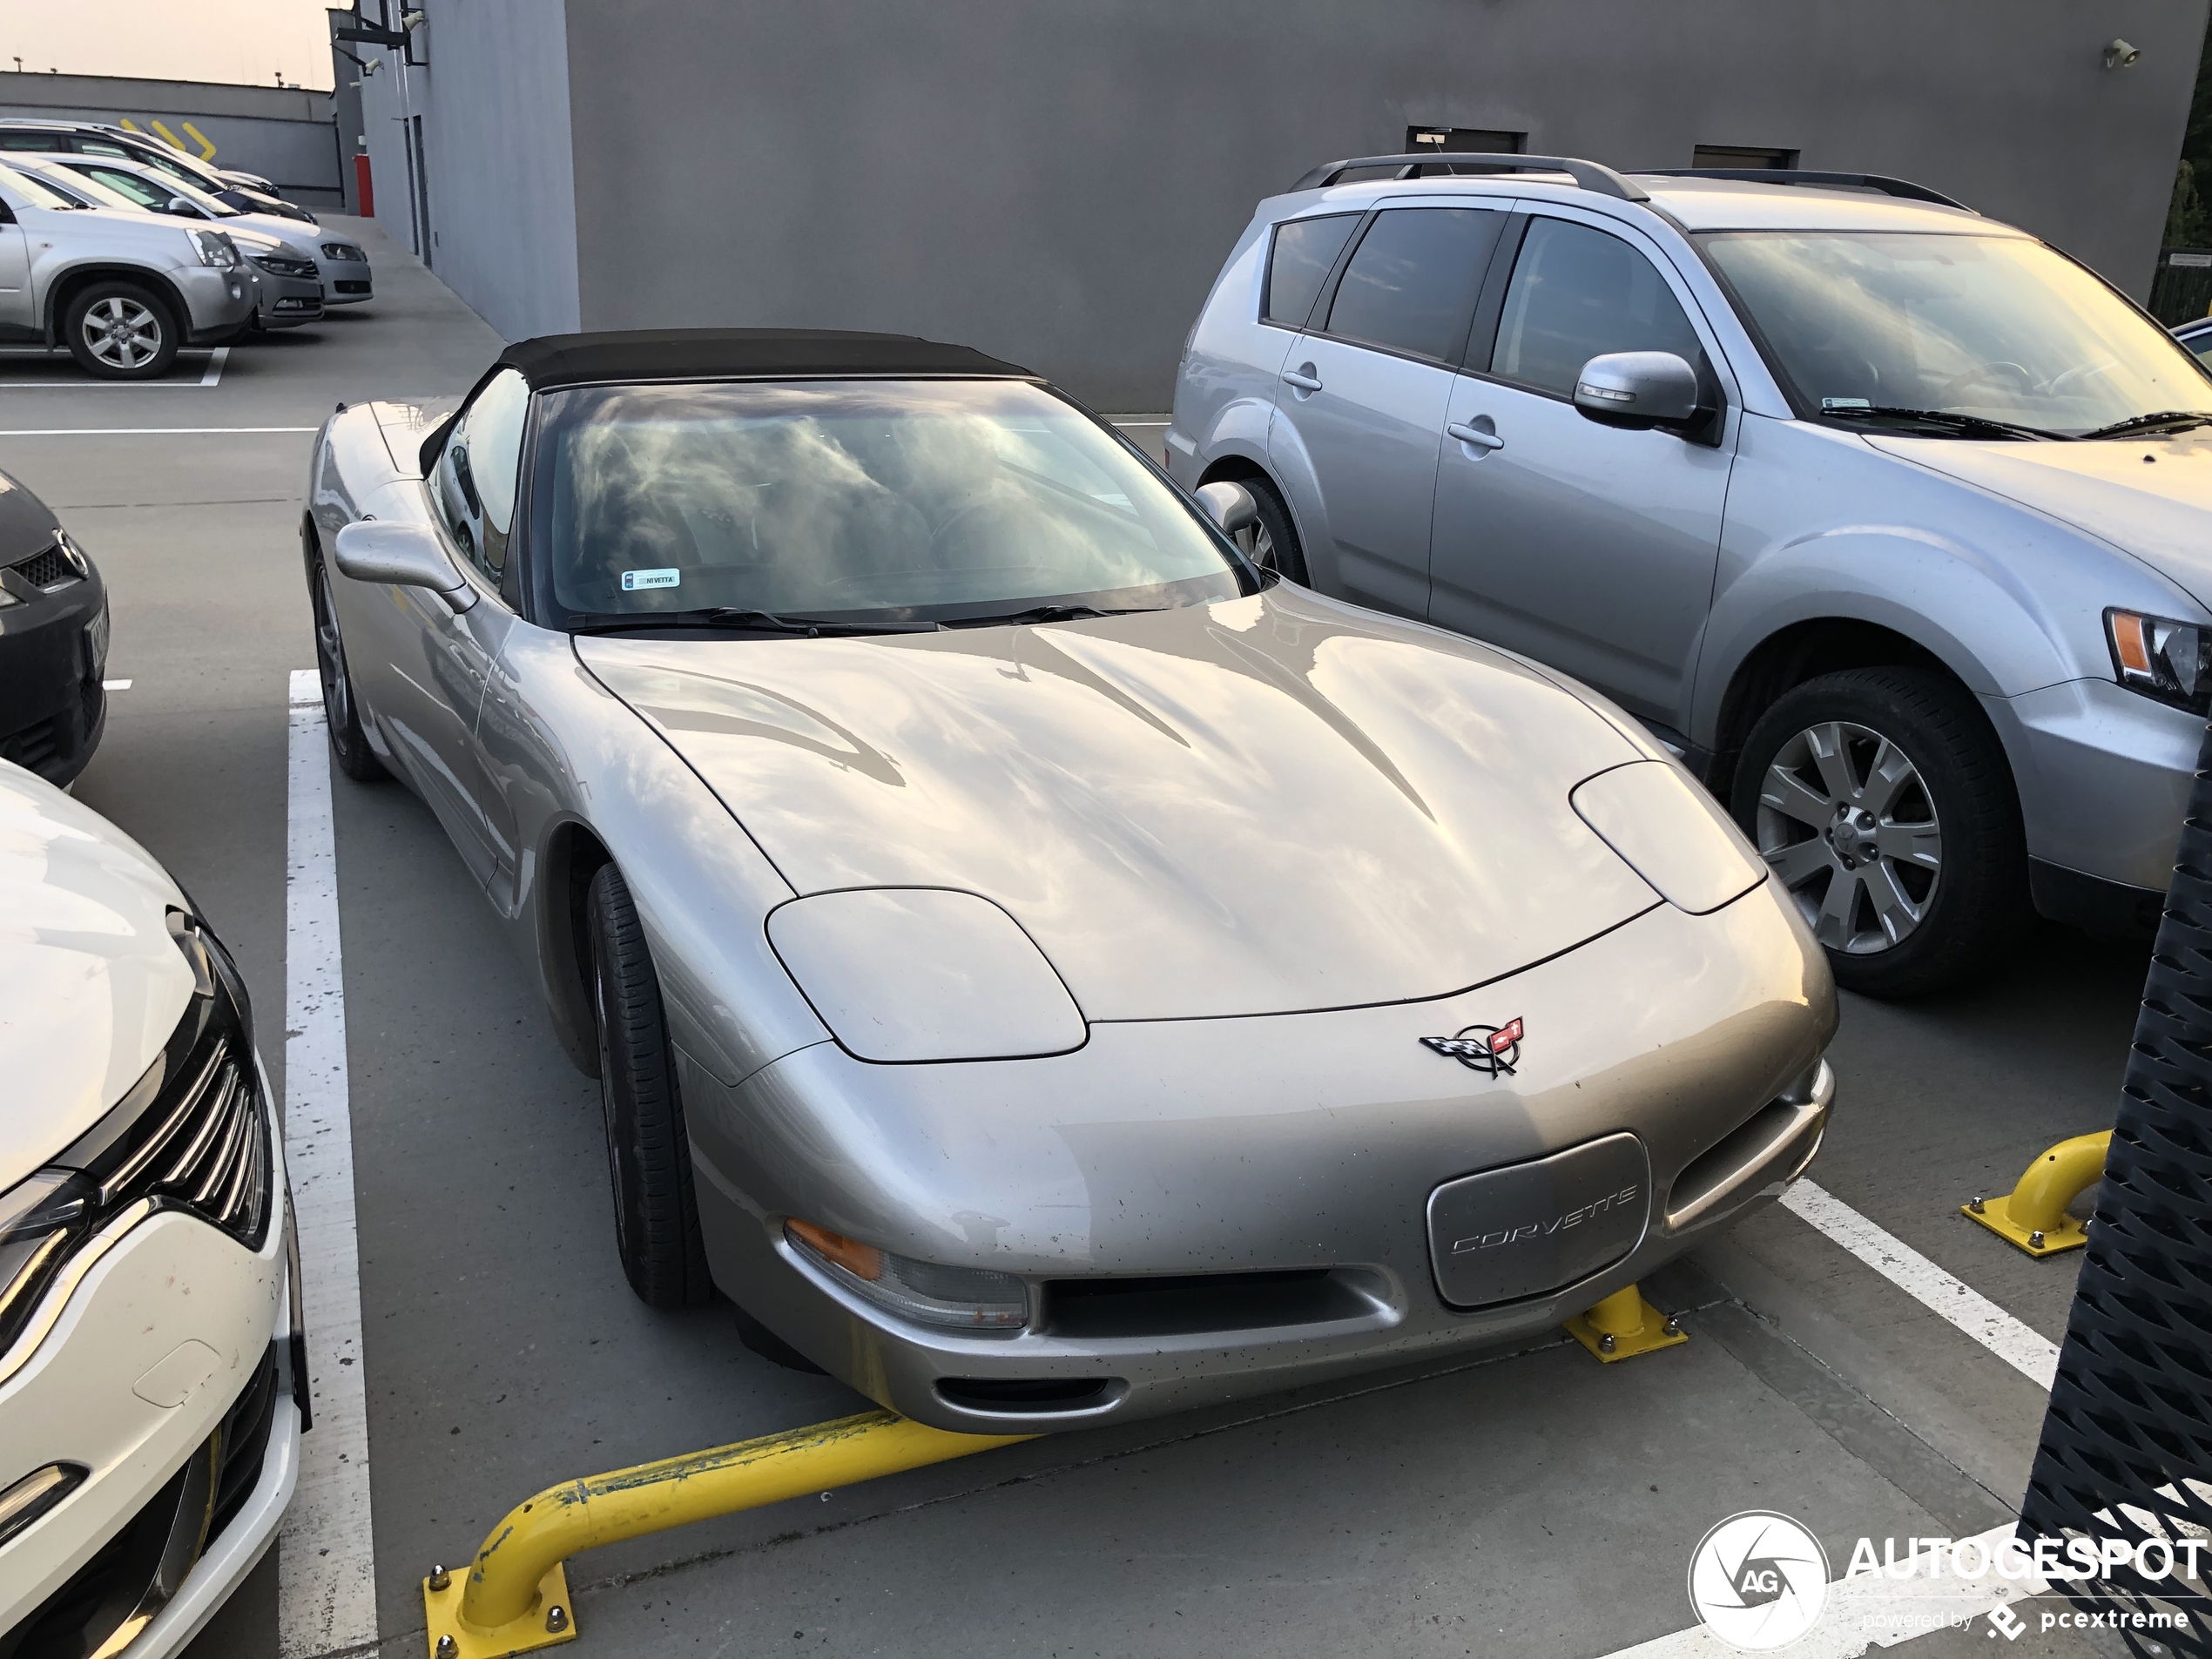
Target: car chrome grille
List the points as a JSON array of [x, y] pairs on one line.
[[191, 1135], [279, 266]]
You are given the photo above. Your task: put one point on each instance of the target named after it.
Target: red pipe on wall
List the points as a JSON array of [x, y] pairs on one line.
[[362, 187]]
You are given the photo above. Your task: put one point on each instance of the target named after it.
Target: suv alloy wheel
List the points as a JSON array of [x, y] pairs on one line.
[[120, 331], [1882, 799]]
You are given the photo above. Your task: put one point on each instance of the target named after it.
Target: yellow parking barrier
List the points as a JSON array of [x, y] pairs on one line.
[[515, 1598], [1624, 1326], [2033, 1215]]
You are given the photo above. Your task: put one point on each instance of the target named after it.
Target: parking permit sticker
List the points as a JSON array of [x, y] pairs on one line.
[[633, 580]]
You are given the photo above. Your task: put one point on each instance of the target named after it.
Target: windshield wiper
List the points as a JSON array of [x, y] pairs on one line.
[[2173, 420], [738, 619], [1045, 613], [1945, 418]]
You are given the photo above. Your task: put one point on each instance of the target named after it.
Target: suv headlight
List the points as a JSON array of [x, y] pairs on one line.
[[215, 248], [2171, 661], [962, 1299]]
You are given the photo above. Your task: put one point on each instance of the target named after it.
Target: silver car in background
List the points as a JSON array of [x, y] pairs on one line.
[[287, 283], [1895, 522], [122, 291], [1042, 968]]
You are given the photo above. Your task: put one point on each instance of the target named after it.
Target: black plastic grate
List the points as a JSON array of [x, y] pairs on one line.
[[2127, 1445], [45, 568]]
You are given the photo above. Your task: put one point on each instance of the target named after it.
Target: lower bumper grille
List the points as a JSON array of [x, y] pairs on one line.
[[348, 285], [139, 1572]]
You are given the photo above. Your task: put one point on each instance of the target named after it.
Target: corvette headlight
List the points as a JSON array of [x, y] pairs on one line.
[[962, 1299], [2171, 661], [215, 248]]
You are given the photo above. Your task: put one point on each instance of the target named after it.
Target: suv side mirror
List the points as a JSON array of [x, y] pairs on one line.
[[1637, 389], [1229, 506], [183, 209], [407, 556]]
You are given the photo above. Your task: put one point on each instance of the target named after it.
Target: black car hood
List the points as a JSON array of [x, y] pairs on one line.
[[26, 525]]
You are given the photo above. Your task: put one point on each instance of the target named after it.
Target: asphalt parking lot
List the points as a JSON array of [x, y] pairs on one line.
[[1529, 1501]]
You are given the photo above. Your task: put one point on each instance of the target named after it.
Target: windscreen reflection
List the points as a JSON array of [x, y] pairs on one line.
[[928, 500]]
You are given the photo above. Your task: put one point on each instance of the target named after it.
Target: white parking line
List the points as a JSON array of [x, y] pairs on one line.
[[326, 1557], [215, 361], [114, 685], [2027, 1350]]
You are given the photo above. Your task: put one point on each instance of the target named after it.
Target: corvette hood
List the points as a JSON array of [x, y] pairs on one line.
[[2160, 510], [90, 983], [1267, 805]]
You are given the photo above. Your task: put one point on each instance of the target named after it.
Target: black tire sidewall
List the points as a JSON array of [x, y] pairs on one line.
[[1980, 905], [72, 331], [656, 1226], [348, 743], [1275, 514]]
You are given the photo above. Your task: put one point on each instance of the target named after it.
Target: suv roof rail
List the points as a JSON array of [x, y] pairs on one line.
[[1588, 174], [1875, 181]]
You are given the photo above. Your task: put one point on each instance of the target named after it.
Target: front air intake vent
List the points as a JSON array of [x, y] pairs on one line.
[[47, 568], [1027, 1396]]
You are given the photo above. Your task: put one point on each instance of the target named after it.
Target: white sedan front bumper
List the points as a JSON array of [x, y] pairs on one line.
[[156, 1343]]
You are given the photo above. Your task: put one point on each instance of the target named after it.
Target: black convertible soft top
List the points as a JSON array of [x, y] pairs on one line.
[[730, 354]]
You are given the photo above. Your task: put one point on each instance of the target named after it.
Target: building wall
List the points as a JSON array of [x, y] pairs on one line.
[[1057, 184], [284, 134], [501, 202]]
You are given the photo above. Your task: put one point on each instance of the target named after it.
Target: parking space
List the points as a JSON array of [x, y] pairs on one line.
[[1530, 1500]]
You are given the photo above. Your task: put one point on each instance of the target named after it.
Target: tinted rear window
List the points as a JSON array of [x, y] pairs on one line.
[[1304, 249], [1411, 283]]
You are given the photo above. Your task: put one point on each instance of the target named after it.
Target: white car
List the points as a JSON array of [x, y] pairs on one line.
[[151, 1388]]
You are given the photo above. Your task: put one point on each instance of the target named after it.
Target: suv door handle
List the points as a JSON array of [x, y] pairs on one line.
[[1475, 435], [1305, 379]]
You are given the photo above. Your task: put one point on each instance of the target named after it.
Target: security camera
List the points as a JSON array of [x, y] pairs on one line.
[[416, 19], [2120, 55]]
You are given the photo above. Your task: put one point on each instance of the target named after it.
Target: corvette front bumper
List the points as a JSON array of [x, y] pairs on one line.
[[1209, 1208]]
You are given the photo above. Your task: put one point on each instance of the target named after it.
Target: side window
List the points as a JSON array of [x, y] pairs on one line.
[[1411, 281], [1304, 250], [34, 142], [474, 484], [1577, 293], [131, 186], [102, 147]]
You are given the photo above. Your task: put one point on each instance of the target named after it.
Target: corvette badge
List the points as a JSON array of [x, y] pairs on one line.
[[1489, 1049]]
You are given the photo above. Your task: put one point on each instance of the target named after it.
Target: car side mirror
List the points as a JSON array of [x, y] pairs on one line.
[[1229, 506], [1637, 389], [184, 209], [407, 556]]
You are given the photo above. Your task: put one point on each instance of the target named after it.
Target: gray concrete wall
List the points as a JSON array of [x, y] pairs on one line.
[[494, 99], [284, 134], [1057, 184]]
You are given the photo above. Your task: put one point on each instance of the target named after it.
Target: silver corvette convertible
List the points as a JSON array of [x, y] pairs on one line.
[[1042, 968]]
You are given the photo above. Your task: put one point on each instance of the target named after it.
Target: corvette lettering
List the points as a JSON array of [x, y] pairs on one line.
[[1544, 1230], [1490, 1049]]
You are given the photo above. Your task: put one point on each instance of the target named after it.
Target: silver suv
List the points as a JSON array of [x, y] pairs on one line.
[[1895, 522], [121, 290]]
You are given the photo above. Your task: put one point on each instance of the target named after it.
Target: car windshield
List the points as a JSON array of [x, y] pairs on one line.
[[37, 192], [1991, 331], [139, 192], [857, 501]]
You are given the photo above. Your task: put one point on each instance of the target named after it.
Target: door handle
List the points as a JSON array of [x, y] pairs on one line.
[[1305, 379], [1475, 435]]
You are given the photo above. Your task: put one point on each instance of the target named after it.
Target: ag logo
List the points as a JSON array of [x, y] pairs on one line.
[[1758, 1580]]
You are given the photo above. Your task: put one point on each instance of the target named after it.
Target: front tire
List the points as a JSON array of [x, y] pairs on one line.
[[649, 1154], [1273, 543], [120, 331], [342, 711], [1882, 799]]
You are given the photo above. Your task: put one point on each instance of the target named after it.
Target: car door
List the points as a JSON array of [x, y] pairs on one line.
[[431, 694], [1360, 407], [1587, 547]]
